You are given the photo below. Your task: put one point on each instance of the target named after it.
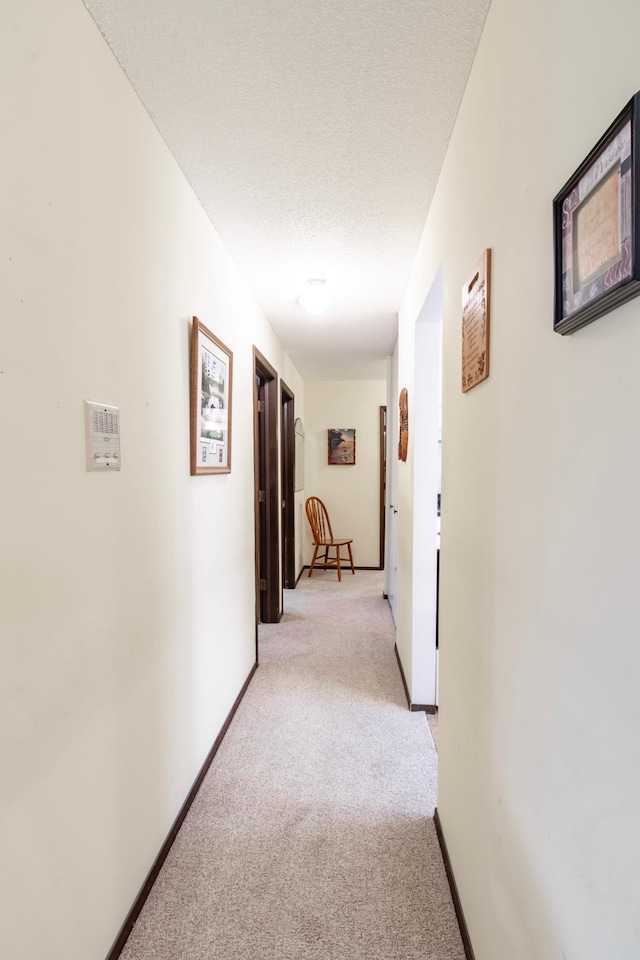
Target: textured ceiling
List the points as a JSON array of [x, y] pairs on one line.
[[313, 134]]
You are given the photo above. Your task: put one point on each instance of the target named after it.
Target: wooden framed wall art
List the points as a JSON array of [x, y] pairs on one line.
[[476, 315], [403, 432], [211, 383], [342, 446], [595, 219]]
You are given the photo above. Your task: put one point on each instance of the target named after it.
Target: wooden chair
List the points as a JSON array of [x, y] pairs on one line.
[[323, 538]]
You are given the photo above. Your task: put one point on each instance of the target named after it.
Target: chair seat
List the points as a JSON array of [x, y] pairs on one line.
[[333, 542]]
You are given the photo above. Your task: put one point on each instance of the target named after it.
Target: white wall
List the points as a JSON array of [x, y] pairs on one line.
[[539, 658], [350, 493], [127, 600]]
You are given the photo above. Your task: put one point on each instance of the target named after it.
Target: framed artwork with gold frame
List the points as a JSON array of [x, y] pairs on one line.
[[597, 266]]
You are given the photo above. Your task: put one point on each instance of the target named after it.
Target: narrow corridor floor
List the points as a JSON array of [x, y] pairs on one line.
[[312, 836]]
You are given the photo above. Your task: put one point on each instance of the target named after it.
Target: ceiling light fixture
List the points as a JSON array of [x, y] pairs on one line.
[[315, 296]]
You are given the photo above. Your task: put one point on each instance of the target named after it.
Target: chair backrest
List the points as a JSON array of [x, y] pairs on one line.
[[318, 520]]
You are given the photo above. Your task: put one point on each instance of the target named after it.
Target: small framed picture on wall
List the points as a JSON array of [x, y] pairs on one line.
[[342, 446], [211, 381]]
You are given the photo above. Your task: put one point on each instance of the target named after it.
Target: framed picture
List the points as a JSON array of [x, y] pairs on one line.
[[595, 219], [211, 380], [342, 446]]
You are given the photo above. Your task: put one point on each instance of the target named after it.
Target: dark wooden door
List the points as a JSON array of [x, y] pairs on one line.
[[268, 606], [287, 475]]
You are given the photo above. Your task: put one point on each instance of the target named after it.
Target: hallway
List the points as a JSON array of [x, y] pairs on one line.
[[311, 837]]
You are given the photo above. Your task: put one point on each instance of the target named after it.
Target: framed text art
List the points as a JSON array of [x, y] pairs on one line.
[[476, 315], [595, 218], [211, 381], [342, 446]]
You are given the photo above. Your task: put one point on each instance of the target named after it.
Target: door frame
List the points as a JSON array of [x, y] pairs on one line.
[[288, 483], [267, 532], [383, 481]]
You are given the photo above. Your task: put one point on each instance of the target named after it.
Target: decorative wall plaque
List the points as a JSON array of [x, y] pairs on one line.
[[404, 425], [476, 310]]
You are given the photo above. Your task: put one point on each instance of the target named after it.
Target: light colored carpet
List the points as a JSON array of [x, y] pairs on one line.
[[311, 837]]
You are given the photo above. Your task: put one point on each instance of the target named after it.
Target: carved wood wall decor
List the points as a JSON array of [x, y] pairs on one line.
[[404, 425], [476, 309]]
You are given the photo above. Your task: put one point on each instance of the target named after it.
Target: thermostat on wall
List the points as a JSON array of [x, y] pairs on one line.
[[102, 431]]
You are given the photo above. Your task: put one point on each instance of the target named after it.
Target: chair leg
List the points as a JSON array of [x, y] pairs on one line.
[[313, 560], [353, 569], [338, 562]]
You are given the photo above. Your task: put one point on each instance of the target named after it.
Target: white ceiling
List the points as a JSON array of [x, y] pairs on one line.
[[313, 134]]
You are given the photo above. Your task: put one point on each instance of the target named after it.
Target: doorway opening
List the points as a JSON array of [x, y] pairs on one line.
[[427, 455], [265, 439], [383, 480], [391, 524]]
